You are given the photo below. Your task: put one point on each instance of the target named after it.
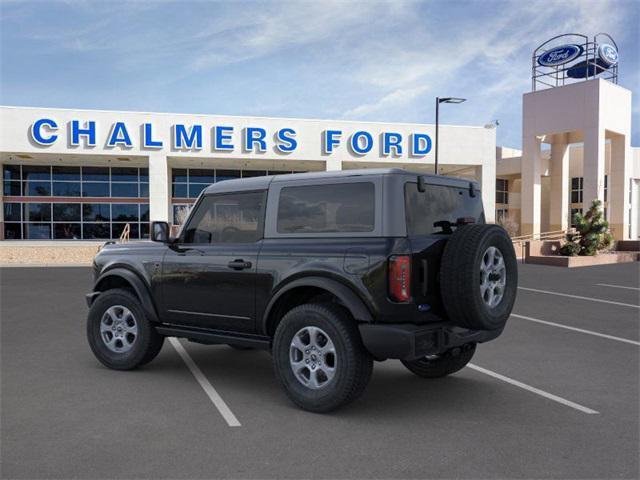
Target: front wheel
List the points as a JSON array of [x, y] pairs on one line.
[[119, 333], [319, 357], [436, 366]]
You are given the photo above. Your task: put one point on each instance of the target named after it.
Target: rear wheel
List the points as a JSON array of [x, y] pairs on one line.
[[319, 357], [436, 366], [119, 333]]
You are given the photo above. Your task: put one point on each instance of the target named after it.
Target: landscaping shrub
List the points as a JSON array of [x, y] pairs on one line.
[[592, 233]]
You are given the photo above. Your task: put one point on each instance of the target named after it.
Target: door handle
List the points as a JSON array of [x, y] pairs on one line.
[[239, 264]]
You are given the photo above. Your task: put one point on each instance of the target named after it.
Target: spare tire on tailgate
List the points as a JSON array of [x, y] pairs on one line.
[[479, 277]]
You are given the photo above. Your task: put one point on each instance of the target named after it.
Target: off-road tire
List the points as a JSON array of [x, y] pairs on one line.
[[148, 342], [443, 365], [353, 363], [460, 277]]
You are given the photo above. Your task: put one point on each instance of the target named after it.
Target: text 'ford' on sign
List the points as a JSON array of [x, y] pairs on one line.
[[560, 55]]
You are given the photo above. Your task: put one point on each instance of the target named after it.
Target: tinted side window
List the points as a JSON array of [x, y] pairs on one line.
[[340, 207], [232, 218], [436, 204]]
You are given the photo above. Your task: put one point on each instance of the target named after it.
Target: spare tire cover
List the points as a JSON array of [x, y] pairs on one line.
[[479, 277]]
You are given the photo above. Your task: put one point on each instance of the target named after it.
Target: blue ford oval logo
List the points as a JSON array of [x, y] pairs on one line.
[[560, 55], [608, 54]]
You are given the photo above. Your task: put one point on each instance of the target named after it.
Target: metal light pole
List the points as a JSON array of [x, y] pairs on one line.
[[438, 102]]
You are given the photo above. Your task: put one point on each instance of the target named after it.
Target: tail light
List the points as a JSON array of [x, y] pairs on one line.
[[400, 278]]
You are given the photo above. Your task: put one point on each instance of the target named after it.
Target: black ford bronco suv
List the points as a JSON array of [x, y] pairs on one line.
[[329, 271]]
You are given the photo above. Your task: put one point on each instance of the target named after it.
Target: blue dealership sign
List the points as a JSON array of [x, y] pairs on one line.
[[608, 54], [560, 55]]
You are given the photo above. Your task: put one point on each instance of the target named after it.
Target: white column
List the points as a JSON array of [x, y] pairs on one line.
[[531, 186], [593, 166], [486, 176], [333, 164], [559, 207], [159, 188], [618, 188]]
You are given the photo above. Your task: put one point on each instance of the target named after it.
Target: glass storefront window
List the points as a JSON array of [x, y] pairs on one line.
[[197, 175], [12, 212], [95, 174], [66, 189], [37, 212], [124, 174], [95, 189], [11, 172], [12, 231], [37, 189], [66, 173], [96, 212], [222, 175], [69, 231], [179, 190], [144, 212], [66, 212], [124, 190], [253, 173], [124, 212], [37, 231], [36, 172], [97, 231], [74, 221], [12, 188], [196, 188]]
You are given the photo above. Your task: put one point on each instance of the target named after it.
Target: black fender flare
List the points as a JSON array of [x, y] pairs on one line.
[[138, 285], [345, 294]]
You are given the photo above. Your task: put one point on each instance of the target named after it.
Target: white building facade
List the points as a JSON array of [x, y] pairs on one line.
[[85, 174]]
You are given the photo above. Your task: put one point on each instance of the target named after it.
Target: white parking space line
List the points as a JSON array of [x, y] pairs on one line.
[[600, 300], [617, 286], [537, 391], [581, 330], [211, 392]]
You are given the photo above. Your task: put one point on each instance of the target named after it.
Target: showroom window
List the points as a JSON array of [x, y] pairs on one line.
[[74, 221], [576, 189], [78, 202], [502, 214], [63, 181], [502, 190]]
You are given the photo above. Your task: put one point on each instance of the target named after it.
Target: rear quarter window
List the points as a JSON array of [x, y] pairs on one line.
[[327, 208], [438, 203]]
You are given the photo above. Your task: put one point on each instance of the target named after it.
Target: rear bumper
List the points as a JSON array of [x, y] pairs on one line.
[[409, 342]]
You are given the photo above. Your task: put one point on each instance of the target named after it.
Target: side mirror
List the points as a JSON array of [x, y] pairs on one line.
[[160, 232]]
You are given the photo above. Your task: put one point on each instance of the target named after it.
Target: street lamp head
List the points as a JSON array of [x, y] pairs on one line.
[[451, 100]]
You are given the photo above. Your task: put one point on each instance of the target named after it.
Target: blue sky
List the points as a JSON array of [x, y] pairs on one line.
[[369, 60]]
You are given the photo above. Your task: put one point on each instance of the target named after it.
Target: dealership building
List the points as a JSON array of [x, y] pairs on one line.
[[87, 174]]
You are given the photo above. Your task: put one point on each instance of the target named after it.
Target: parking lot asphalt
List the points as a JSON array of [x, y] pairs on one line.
[[63, 415]]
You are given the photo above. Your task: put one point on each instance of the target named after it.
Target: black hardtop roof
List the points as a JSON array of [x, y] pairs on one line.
[[262, 183]]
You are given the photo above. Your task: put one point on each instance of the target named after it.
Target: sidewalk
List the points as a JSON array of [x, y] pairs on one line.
[[48, 253]]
